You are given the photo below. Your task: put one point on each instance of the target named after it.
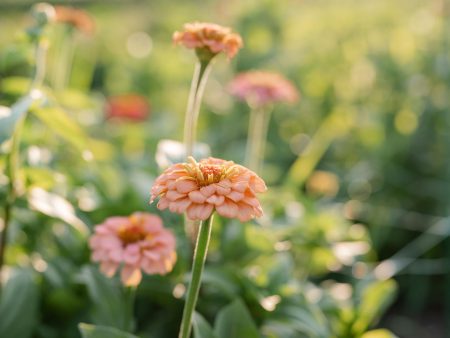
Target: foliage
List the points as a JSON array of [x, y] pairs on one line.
[[373, 119]]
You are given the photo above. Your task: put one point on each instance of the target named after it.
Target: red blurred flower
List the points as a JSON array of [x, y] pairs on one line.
[[130, 107]]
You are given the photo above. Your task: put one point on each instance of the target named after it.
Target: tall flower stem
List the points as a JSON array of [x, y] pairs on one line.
[[201, 250], [130, 297], [201, 73], [12, 158], [257, 137], [12, 168]]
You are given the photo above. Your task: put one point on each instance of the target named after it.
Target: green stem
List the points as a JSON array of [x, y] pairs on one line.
[[12, 168], [201, 250], [130, 297], [12, 159], [201, 73], [257, 138], [64, 59]]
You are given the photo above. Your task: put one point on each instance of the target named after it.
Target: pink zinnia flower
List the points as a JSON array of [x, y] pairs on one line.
[[260, 88], [199, 188], [212, 37], [138, 242]]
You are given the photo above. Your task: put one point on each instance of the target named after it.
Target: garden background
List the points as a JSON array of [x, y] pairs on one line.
[[358, 170]]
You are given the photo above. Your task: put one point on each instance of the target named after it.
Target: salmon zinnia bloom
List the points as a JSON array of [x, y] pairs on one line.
[[209, 36], [135, 243], [77, 18], [260, 88], [199, 188]]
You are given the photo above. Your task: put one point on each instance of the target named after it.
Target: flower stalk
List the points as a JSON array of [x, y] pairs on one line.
[[12, 158], [257, 137], [201, 250], [201, 74]]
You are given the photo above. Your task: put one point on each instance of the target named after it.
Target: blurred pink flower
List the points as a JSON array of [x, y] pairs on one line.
[[129, 106], [199, 188], [209, 36], [260, 88], [135, 243]]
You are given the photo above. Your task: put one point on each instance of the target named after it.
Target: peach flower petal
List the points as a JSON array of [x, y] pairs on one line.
[[208, 36], [134, 243], [214, 184]]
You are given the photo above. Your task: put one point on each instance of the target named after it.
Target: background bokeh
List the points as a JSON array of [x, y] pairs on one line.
[[367, 145]]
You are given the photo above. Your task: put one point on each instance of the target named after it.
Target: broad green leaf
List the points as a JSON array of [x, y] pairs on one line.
[[19, 305], [10, 116], [56, 206], [110, 303], [234, 320], [93, 331], [380, 333], [63, 125], [306, 319], [201, 327], [221, 281], [375, 298]]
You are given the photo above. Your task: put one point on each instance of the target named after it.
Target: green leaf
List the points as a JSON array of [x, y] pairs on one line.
[[306, 319], [375, 299], [56, 206], [380, 333], [202, 329], [110, 303], [234, 320], [63, 125], [93, 331], [19, 305], [10, 116]]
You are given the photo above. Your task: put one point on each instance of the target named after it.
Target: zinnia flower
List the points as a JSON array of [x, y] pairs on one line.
[[135, 243], [199, 188], [131, 106], [210, 37], [75, 17], [260, 88]]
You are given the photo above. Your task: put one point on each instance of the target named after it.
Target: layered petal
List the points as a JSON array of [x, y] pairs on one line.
[[135, 243]]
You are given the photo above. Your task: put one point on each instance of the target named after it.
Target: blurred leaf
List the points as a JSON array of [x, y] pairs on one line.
[[201, 327], [40, 176], [63, 125], [220, 280], [56, 206], [110, 303], [380, 333], [306, 319], [374, 301], [15, 85], [10, 116], [93, 331], [19, 305], [234, 320]]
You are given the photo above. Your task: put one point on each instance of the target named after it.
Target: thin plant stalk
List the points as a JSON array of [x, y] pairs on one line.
[[130, 297], [12, 159], [200, 252], [201, 73], [257, 138], [64, 59]]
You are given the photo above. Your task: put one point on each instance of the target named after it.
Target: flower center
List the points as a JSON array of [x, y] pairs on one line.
[[210, 173], [133, 232]]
